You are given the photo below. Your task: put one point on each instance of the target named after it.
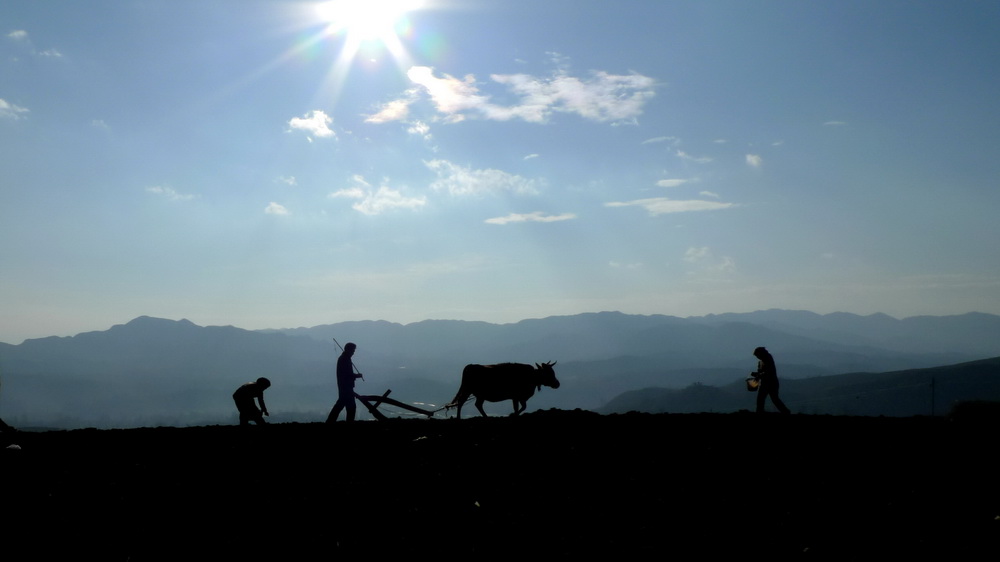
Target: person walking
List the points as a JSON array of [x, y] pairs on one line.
[[767, 374], [346, 375]]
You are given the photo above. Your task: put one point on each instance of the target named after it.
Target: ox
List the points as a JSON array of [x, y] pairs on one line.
[[507, 381]]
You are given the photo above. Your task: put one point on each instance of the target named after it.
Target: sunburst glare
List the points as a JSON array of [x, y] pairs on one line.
[[377, 23]]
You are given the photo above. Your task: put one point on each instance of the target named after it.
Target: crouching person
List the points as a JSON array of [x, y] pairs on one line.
[[244, 396]]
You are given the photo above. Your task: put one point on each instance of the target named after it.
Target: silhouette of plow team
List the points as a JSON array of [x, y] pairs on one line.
[[516, 382]]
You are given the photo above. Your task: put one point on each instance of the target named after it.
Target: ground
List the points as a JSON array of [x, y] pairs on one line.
[[567, 483]]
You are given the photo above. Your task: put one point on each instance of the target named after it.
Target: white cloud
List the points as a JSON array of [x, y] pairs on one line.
[[537, 216], [601, 97], [697, 159], [377, 201], [754, 160], [619, 265], [835, 123], [21, 36], [708, 262], [461, 180], [287, 180], [11, 111], [450, 95], [662, 205], [531, 156], [393, 111], [671, 140], [671, 182], [276, 209], [420, 129], [169, 193], [711, 194], [315, 122], [697, 254]]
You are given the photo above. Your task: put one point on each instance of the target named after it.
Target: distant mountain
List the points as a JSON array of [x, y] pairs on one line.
[[153, 371], [911, 392]]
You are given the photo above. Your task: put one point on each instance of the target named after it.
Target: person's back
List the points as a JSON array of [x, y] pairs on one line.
[[244, 398]]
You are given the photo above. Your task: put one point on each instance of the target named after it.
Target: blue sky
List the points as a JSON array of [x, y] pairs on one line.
[[271, 164]]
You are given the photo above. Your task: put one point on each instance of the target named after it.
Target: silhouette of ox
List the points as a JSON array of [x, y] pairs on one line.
[[507, 381]]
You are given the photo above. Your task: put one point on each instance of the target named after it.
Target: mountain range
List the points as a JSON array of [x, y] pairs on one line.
[[153, 371]]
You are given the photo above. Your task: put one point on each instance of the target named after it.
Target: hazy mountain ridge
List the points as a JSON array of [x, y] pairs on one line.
[[153, 371], [910, 392]]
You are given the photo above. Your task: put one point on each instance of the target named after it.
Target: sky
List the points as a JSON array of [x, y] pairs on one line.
[[276, 164]]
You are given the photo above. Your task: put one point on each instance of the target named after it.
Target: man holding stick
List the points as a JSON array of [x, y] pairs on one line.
[[346, 375]]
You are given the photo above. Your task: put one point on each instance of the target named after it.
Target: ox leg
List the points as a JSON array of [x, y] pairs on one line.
[[519, 407], [479, 405]]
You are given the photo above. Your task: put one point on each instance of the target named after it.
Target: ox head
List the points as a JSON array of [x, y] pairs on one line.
[[546, 375]]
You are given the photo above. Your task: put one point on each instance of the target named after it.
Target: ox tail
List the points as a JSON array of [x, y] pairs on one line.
[[457, 400]]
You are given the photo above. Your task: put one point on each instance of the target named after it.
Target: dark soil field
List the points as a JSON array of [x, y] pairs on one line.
[[565, 483]]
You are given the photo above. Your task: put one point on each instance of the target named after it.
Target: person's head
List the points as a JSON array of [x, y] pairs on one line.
[[760, 353], [264, 382], [349, 348]]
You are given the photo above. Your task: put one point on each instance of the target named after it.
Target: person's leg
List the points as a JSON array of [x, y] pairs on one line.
[[779, 404], [335, 412]]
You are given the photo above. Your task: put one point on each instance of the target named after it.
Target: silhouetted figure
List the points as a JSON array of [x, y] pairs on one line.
[[768, 375], [346, 376], [244, 397], [506, 381]]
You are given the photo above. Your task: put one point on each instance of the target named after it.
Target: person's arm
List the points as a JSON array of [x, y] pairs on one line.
[[263, 408]]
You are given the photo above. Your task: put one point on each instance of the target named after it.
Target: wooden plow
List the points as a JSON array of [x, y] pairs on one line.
[[372, 402]]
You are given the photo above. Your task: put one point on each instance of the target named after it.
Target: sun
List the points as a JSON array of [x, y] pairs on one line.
[[366, 20]]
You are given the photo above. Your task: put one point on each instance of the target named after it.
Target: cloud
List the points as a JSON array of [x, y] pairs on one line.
[[449, 95], [703, 256], [276, 209], [287, 180], [671, 140], [619, 265], [376, 201], [754, 160], [601, 97], [537, 216], [531, 156], [420, 129], [835, 123], [461, 180], [711, 194], [21, 36], [697, 159], [11, 111], [393, 111], [697, 254], [315, 122], [662, 205], [671, 182], [169, 193]]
